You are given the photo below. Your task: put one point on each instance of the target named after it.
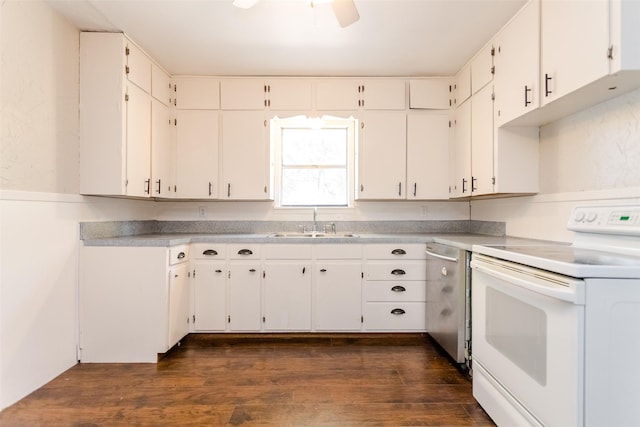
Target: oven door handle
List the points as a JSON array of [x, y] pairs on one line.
[[444, 257], [564, 292]]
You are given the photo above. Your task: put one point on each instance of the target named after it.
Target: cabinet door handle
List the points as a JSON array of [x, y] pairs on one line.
[[398, 252], [210, 252], [218, 271], [527, 89], [400, 189], [229, 190], [159, 186], [398, 272], [245, 252], [181, 255], [397, 311], [253, 270], [147, 185], [547, 91], [415, 189], [323, 270], [464, 183], [473, 184], [210, 189], [398, 289], [304, 269]]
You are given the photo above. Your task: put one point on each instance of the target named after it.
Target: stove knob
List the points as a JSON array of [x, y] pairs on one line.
[[592, 216], [579, 216]]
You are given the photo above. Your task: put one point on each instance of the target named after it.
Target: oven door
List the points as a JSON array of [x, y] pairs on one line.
[[527, 336]]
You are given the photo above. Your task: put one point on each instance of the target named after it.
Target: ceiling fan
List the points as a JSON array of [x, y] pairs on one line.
[[345, 10]]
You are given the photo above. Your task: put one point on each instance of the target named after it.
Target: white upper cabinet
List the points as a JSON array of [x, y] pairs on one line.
[[289, 95], [462, 86], [161, 87], [115, 116], [482, 67], [197, 93], [482, 142], [337, 94], [246, 156], [197, 154], [517, 63], [163, 150], [242, 94], [138, 68], [427, 155], [383, 94], [431, 94], [461, 183], [381, 155], [574, 44]]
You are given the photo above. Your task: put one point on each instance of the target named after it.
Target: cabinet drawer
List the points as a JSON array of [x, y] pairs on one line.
[[395, 251], [345, 251], [395, 316], [208, 251], [240, 251], [407, 270], [287, 252], [395, 291], [178, 254]]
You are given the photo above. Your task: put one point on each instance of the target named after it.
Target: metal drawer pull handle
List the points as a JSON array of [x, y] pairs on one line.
[[210, 252], [397, 311], [398, 252], [398, 272], [323, 270], [398, 289], [245, 252], [253, 270], [218, 271], [181, 255]]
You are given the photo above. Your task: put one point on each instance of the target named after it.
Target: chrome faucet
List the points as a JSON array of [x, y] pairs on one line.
[[315, 223]]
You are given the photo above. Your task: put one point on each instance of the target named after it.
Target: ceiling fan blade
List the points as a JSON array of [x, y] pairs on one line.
[[345, 11], [245, 4]]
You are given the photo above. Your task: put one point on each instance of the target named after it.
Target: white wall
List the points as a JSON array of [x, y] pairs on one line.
[[39, 231], [591, 157]]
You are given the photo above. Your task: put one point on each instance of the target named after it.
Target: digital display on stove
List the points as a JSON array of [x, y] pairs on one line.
[[624, 218]]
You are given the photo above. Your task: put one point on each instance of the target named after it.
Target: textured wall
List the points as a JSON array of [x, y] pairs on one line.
[[39, 97]]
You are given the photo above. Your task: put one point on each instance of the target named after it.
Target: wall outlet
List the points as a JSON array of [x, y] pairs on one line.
[[202, 211]]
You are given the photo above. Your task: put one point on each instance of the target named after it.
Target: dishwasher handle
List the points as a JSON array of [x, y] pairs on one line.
[[443, 257]]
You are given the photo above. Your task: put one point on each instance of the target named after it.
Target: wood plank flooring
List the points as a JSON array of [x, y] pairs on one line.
[[265, 380]]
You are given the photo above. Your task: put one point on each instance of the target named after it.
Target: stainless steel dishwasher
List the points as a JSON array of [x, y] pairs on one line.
[[448, 308]]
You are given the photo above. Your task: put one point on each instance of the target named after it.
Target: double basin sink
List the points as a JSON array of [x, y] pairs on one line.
[[312, 235]]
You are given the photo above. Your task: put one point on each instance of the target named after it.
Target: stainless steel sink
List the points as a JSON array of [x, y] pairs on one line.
[[313, 235]]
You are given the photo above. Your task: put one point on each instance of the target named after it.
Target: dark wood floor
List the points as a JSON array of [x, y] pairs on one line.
[[229, 380]]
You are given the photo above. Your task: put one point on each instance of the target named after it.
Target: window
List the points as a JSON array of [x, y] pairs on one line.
[[313, 161]]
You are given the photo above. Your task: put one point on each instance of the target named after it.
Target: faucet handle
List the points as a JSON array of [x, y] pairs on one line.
[[303, 228], [331, 227]]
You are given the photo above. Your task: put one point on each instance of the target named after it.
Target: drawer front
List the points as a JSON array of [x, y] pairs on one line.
[[405, 316], [178, 254], [395, 291], [343, 251], [214, 251], [240, 251], [408, 270], [287, 251], [394, 251]]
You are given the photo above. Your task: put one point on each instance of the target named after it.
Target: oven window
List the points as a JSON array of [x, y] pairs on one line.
[[518, 331]]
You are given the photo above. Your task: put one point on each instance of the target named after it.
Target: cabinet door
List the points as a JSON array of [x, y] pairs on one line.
[[462, 86], [383, 94], [163, 150], [138, 69], [427, 156], [178, 304], [161, 88], [287, 296], [517, 64], [337, 95], [245, 156], [197, 154], [382, 156], [430, 94], [289, 95], [197, 93], [244, 296], [574, 43], [338, 295], [482, 142], [210, 297], [482, 68], [138, 142], [242, 94], [462, 151]]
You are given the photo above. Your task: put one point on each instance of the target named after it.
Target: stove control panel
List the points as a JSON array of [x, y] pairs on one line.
[[623, 220]]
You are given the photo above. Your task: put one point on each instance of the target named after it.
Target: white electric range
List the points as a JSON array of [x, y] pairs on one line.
[[556, 328]]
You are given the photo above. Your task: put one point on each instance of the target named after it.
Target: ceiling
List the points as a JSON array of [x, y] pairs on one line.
[[291, 38]]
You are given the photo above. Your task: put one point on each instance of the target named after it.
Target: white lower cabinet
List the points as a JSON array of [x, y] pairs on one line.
[[132, 305], [244, 280], [394, 287], [209, 287]]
